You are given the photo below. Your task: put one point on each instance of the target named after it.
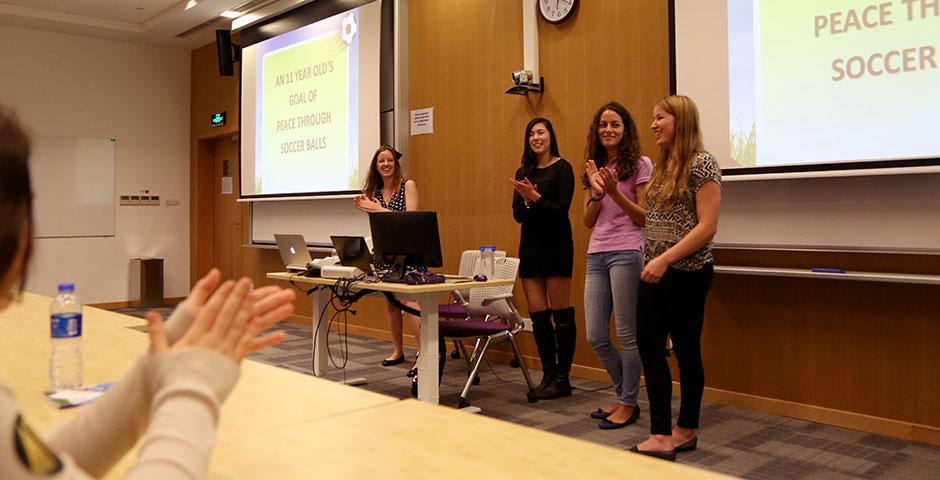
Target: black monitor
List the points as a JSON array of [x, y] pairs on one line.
[[405, 238]]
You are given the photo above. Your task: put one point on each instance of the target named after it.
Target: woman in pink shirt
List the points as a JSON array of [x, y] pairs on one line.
[[615, 178]]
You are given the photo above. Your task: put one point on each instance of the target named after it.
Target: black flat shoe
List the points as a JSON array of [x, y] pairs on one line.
[[669, 455], [600, 414], [606, 424], [689, 445], [394, 361], [414, 368]]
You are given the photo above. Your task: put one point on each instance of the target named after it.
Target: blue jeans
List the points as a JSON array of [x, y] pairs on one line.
[[611, 285]]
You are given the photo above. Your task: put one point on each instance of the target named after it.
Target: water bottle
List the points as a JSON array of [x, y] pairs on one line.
[[65, 363], [487, 260]]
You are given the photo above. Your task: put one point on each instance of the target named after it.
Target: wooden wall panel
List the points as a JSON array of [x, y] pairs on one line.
[[856, 346], [461, 57]]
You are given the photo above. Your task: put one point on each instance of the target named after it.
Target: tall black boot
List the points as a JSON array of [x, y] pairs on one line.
[[544, 335], [566, 335]]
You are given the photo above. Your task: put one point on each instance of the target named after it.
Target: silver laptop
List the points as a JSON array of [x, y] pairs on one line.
[[294, 251]]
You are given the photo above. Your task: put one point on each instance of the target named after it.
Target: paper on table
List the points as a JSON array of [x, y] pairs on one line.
[[73, 397]]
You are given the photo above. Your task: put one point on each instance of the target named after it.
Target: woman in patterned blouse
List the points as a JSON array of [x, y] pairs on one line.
[[386, 190], [682, 206]]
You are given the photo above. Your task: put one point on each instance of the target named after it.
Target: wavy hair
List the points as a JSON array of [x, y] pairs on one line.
[[628, 152], [374, 179], [16, 195], [670, 182], [529, 159]]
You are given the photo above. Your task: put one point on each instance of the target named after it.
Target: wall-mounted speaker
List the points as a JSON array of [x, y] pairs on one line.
[[228, 53]]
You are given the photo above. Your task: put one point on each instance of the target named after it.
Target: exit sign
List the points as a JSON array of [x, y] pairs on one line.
[[217, 119]]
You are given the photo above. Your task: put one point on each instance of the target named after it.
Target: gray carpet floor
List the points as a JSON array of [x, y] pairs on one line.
[[732, 440]]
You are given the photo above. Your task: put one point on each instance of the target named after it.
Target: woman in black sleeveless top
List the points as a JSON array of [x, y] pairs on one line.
[[386, 190]]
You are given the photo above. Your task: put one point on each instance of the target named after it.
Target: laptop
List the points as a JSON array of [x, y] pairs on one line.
[[294, 251], [353, 252]]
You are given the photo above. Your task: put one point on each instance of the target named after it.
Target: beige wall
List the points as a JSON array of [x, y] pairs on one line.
[[73, 86]]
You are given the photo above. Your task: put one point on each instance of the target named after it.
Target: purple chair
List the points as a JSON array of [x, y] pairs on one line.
[[488, 316]]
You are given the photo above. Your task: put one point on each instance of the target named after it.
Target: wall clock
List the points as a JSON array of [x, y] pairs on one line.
[[557, 11]]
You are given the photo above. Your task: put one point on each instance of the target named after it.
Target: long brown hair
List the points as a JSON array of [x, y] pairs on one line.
[[628, 152], [670, 180], [374, 179], [16, 195]]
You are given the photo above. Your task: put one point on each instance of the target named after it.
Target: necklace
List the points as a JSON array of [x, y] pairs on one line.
[[549, 162]]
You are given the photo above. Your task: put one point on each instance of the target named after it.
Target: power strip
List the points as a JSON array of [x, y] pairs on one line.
[[339, 271]]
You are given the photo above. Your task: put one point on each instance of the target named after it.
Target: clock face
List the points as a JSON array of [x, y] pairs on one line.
[[556, 11]]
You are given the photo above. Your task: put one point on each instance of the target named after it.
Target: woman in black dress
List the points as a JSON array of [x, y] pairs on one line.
[[543, 187]]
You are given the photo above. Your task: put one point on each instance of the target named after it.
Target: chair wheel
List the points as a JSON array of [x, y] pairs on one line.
[[462, 403], [514, 363], [476, 380], [455, 354]]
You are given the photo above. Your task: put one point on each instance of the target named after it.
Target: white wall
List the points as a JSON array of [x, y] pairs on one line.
[[75, 86]]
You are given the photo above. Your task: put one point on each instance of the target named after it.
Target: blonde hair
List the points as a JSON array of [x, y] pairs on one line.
[[670, 180]]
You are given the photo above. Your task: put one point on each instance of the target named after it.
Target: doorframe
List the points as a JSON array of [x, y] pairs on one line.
[[202, 206]]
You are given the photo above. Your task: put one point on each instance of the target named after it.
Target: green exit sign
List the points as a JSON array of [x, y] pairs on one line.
[[217, 119]]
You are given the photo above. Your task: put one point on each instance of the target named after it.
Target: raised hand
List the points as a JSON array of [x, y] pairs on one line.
[[597, 185], [270, 303], [608, 180], [526, 189], [367, 204], [227, 322]]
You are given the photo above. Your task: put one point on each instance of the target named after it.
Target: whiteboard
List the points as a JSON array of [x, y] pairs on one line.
[[897, 213], [73, 185], [315, 219]]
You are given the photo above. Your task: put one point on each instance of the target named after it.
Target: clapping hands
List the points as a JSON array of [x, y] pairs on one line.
[[608, 180], [367, 204], [526, 189], [228, 319], [594, 178]]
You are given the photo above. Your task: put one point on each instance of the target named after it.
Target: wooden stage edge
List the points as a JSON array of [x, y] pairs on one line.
[[813, 413]]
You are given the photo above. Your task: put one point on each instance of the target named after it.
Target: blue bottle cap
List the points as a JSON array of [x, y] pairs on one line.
[[488, 247], [66, 287]]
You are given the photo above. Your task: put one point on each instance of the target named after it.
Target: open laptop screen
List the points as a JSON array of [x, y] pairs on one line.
[[353, 252], [293, 251]]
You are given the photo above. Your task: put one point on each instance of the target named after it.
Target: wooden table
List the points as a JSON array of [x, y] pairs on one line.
[[426, 296], [285, 425], [412, 440], [265, 397]]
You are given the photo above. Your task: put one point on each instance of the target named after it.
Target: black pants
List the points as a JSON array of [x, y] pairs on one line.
[[674, 307]]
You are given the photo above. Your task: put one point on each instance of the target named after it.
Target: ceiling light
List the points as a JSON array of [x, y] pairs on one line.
[[230, 14], [191, 4]]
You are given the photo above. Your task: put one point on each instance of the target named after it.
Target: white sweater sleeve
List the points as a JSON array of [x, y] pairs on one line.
[[190, 386], [101, 433]]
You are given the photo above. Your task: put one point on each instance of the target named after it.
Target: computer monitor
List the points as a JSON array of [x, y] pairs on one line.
[[405, 238]]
